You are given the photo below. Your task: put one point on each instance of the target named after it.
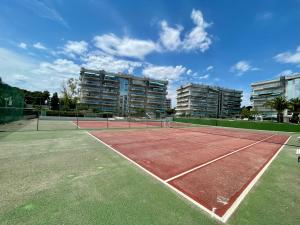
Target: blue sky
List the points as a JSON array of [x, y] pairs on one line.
[[224, 43]]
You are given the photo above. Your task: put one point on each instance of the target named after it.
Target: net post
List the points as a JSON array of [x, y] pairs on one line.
[[37, 122]]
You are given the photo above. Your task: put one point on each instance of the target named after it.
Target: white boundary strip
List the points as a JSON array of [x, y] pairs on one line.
[[214, 160], [161, 180], [237, 202], [75, 123], [234, 206]]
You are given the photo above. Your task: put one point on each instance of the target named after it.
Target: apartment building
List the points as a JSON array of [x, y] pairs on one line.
[[122, 94], [285, 86], [168, 103], [208, 101]]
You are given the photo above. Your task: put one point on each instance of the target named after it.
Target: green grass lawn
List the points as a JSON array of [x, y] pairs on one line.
[[255, 125], [67, 177]]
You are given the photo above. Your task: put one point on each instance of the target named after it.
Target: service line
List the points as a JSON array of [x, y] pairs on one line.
[[216, 159]]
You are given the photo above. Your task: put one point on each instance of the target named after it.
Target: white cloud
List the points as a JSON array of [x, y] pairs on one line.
[[198, 38], [14, 63], [188, 72], [128, 47], [172, 93], [75, 47], [45, 9], [265, 16], [204, 77], [170, 73], [289, 57], [23, 45], [169, 36], [209, 68], [16, 70], [110, 63], [60, 67], [285, 73], [246, 99], [39, 45], [242, 67], [50, 75], [28, 73]]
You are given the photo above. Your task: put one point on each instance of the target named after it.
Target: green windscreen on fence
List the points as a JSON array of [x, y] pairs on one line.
[[11, 103]]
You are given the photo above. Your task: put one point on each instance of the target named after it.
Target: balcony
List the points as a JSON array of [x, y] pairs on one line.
[[136, 105], [141, 95], [90, 96], [90, 84], [156, 84], [138, 83], [160, 92], [137, 100], [111, 92], [137, 88], [111, 97], [90, 101]]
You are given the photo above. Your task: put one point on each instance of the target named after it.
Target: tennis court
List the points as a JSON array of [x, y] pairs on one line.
[[212, 167]]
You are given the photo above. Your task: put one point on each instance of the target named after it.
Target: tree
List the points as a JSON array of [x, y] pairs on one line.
[[70, 93], [279, 104], [254, 112], [45, 97], [54, 102], [294, 104], [245, 113], [170, 112], [140, 112]]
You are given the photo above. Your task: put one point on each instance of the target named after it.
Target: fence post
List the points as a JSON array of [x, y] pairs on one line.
[[129, 119], [77, 118]]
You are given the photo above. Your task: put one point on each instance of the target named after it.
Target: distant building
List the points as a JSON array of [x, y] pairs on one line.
[[168, 103], [208, 101], [285, 86], [122, 94]]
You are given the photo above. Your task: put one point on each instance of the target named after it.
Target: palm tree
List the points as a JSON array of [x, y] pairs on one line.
[[295, 107], [279, 104]]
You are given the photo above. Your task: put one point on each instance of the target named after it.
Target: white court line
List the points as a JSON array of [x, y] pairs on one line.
[[214, 160], [237, 202], [75, 123], [161, 180]]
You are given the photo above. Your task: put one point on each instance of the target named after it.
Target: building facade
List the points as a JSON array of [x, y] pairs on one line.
[[208, 101], [285, 86], [121, 94]]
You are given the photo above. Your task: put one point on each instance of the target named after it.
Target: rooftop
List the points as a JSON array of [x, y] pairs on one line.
[[123, 75], [294, 76], [207, 86]]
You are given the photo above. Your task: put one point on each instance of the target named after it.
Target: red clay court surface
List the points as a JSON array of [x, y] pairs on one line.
[[211, 166]]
